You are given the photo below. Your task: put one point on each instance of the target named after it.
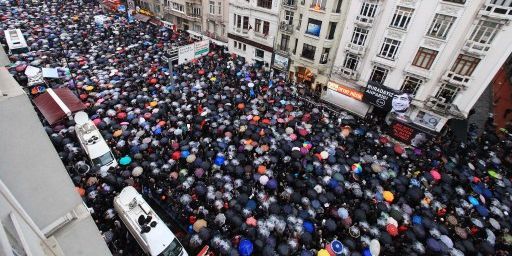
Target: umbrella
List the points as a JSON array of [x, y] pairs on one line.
[[308, 227], [245, 247], [125, 160], [137, 171], [388, 196], [251, 221], [375, 247], [199, 224], [323, 252], [392, 229], [435, 174], [219, 160]]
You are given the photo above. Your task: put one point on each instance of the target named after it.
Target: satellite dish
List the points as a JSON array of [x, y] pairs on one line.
[[81, 118]]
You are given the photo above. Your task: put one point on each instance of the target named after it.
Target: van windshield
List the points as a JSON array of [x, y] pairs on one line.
[[174, 249], [105, 159]]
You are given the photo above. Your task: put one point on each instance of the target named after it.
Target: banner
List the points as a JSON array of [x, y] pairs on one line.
[[281, 62], [379, 96], [186, 53], [407, 134], [351, 92], [201, 48]]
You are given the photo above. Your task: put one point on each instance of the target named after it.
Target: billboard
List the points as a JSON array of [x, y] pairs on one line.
[[281, 62], [351, 92], [378, 95], [186, 53], [201, 48]]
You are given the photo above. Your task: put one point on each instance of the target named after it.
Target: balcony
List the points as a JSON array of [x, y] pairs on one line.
[[364, 21], [439, 106], [215, 17], [476, 48], [346, 73], [496, 11], [456, 79], [193, 17], [282, 50], [260, 35], [356, 49], [290, 4], [286, 28]]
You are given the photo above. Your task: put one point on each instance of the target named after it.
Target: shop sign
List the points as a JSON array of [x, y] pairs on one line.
[[201, 48], [145, 12], [281, 62], [304, 74], [351, 92]]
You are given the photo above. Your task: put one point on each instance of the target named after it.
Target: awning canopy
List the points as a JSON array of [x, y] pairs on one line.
[[56, 104], [141, 17]]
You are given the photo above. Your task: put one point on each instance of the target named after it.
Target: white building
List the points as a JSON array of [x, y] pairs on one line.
[[443, 53], [309, 31], [216, 19], [252, 28]]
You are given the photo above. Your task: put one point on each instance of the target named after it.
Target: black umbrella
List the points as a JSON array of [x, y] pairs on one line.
[[283, 249]]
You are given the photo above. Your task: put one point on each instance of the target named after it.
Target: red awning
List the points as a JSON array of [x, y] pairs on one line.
[[57, 104]]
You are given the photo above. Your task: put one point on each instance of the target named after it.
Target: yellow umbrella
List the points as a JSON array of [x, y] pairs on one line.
[[89, 88], [323, 252], [388, 196], [199, 224], [153, 104], [118, 133], [213, 79]]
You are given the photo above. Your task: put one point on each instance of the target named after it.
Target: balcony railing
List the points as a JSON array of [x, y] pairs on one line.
[[291, 4], [346, 73], [493, 10], [439, 106], [215, 17], [356, 49], [364, 21], [281, 49], [287, 28], [456, 79], [476, 48]]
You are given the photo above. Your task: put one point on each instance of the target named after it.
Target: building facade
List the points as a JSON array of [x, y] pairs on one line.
[[216, 19], [309, 31], [439, 55], [252, 28]]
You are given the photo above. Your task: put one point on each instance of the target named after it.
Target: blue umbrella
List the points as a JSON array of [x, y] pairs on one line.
[[487, 193], [484, 212], [157, 131], [272, 184], [125, 160], [219, 160], [245, 247], [251, 205], [333, 183], [337, 247], [473, 200], [185, 153], [416, 219], [366, 252], [308, 227]]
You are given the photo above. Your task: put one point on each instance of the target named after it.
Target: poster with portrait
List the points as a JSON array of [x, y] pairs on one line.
[[400, 104]]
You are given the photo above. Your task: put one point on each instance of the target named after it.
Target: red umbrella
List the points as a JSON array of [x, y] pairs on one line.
[[398, 149], [266, 121], [392, 230], [121, 115], [21, 68], [240, 106], [288, 107], [383, 140], [153, 81], [201, 72], [175, 145], [96, 121], [303, 132], [176, 155], [147, 115], [83, 96]]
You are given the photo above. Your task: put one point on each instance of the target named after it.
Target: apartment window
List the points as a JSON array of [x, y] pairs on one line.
[[308, 51], [314, 27], [196, 11], [424, 58], [238, 21], [359, 36], [219, 7], [285, 40], [504, 3], [259, 53], [266, 27], [456, 1], [325, 55], [295, 46], [441, 26], [300, 21], [257, 25], [178, 7], [351, 61], [265, 4], [288, 17], [485, 31], [447, 93], [379, 74], [411, 85], [246, 23], [212, 7], [337, 8], [389, 48], [402, 17], [332, 30], [465, 65], [368, 9]]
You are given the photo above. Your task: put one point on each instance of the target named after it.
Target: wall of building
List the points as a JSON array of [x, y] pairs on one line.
[[415, 36]]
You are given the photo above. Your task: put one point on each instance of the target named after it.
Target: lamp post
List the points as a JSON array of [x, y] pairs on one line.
[[64, 36]]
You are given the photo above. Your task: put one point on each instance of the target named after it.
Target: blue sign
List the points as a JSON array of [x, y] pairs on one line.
[[121, 8]]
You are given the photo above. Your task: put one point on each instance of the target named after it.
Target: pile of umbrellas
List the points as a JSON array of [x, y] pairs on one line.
[[248, 167]]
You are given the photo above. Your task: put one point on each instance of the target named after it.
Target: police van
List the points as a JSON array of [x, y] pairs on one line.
[[15, 41], [151, 233]]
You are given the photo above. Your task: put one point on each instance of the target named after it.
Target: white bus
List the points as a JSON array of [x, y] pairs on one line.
[[15, 41], [153, 236], [92, 142]]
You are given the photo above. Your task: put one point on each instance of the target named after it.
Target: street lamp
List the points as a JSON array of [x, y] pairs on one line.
[[64, 36]]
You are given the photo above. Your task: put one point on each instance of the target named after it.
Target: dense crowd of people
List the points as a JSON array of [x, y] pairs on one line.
[[248, 167]]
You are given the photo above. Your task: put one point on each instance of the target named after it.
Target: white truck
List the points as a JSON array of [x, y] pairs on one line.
[[92, 142], [151, 233]]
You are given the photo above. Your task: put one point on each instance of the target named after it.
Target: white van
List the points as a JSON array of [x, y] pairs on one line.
[[92, 142], [154, 237], [15, 41]]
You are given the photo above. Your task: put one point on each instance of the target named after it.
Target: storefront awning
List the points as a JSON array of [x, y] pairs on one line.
[[348, 103], [141, 17], [57, 104]]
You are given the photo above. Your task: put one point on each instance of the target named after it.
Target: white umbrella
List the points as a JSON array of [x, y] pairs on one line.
[[137, 171], [375, 247]]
